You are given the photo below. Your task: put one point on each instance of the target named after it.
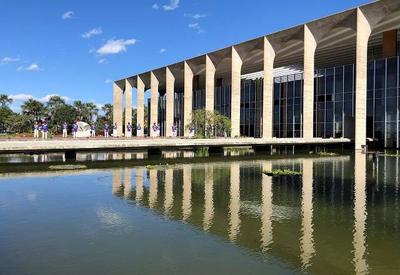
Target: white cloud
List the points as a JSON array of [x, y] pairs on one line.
[[115, 46], [92, 32], [24, 97], [195, 16], [102, 61], [7, 59], [108, 81], [67, 15], [32, 67], [173, 5], [163, 50], [196, 26], [155, 6]]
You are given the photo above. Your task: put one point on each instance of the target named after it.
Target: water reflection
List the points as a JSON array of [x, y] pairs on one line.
[[360, 214], [310, 222], [307, 241]]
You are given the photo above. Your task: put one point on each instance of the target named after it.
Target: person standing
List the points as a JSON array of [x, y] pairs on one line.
[[129, 130], [174, 130], [139, 130], [106, 128], [154, 128], [191, 131], [92, 130], [35, 129], [115, 128], [45, 129], [158, 129], [74, 130], [64, 129]]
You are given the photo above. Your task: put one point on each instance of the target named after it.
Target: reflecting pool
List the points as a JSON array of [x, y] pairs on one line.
[[340, 216]]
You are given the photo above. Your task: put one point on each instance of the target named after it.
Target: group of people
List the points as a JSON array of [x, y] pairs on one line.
[[42, 127]]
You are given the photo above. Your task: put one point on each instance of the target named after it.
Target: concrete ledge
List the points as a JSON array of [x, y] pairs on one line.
[[10, 146]]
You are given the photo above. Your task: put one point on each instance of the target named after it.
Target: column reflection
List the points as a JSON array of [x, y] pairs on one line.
[[307, 249], [360, 214], [139, 185], [127, 182], [208, 197], [266, 209], [116, 180], [187, 192], [169, 195], [234, 205], [153, 187]]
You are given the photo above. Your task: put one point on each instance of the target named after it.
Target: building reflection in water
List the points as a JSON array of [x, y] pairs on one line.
[[266, 209], [153, 187], [127, 182], [187, 192], [208, 197], [274, 212], [169, 194], [307, 241], [139, 185], [360, 214], [234, 205]]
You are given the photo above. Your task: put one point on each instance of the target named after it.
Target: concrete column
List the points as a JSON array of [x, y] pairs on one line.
[[154, 102], [210, 84], [360, 214], [188, 97], [310, 45], [268, 89], [169, 194], [170, 100], [128, 103], [307, 249], [140, 103], [117, 108], [266, 209], [208, 198], [363, 33], [187, 192], [236, 70], [234, 204]]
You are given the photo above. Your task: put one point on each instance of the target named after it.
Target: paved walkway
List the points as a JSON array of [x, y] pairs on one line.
[[9, 146]]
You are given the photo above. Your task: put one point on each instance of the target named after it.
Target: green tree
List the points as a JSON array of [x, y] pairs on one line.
[[92, 111], [108, 110], [34, 109], [64, 113], [208, 124], [5, 100], [81, 110]]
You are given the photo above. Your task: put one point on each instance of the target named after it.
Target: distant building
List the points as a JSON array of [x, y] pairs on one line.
[[333, 77]]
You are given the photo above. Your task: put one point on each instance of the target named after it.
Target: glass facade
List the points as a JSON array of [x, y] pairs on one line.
[[287, 106], [334, 104], [383, 102]]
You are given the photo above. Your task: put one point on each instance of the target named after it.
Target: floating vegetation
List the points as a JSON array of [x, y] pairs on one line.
[[67, 167], [282, 172], [327, 154]]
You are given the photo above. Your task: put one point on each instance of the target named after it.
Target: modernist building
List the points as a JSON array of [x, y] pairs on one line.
[[333, 77]]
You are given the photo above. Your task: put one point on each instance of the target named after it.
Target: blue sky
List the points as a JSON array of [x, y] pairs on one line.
[[74, 48]]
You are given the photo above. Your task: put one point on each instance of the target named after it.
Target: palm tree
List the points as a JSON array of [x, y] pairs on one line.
[[33, 108], [80, 109], [92, 110], [108, 110], [5, 100], [54, 103]]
